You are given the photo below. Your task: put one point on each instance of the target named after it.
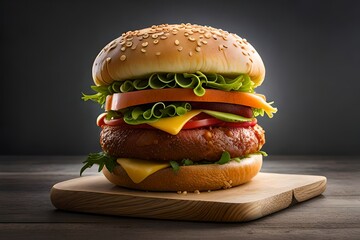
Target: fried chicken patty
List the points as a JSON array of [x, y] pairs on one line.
[[194, 144]]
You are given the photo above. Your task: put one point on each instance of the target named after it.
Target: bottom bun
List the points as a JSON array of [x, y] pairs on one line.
[[191, 178]]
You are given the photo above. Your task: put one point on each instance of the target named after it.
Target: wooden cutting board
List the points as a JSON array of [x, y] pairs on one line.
[[265, 194]]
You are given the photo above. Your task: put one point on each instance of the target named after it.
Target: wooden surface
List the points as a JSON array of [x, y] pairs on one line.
[[26, 211], [265, 194]]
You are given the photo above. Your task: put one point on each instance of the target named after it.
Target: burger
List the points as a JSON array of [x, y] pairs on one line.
[[180, 109]]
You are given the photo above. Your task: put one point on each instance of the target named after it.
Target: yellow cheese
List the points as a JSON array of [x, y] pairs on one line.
[[173, 125], [138, 169]]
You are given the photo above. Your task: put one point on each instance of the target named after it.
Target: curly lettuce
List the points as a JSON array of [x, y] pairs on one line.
[[197, 81], [141, 114]]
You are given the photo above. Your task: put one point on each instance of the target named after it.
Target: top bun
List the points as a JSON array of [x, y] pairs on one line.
[[176, 48]]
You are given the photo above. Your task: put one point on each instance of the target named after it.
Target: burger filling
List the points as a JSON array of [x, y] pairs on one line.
[[174, 120]]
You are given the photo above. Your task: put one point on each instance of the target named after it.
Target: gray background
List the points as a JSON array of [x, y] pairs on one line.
[[310, 49]]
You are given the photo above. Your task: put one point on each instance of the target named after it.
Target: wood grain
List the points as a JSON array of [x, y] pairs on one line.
[[26, 211], [265, 194]]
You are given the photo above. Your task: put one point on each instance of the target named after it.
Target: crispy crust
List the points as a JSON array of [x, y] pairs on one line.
[[192, 178], [176, 48]]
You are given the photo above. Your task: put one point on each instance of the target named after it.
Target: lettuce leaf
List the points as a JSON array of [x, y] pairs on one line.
[[197, 81], [151, 113], [145, 114], [101, 159]]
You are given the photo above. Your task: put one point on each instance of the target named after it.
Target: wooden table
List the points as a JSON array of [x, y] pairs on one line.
[[26, 211]]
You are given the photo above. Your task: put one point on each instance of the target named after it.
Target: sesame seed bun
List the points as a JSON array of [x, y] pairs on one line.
[[191, 178], [176, 48]]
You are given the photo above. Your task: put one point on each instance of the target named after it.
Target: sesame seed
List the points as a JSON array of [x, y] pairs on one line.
[[251, 60], [133, 47], [186, 34], [177, 42], [207, 35], [197, 191], [156, 41], [143, 50], [199, 43], [253, 51], [163, 37], [180, 49], [190, 54], [154, 36], [123, 57], [129, 44], [178, 192], [225, 46], [214, 37], [204, 42], [192, 39], [144, 44], [122, 42], [221, 47], [145, 36], [198, 49], [129, 38], [242, 47], [209, 190], [157, 53], [108, 59], [184, 192], [248, 54], [235, 45], [123, 49]]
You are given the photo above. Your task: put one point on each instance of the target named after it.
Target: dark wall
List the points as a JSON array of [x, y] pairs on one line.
[[310, 49]]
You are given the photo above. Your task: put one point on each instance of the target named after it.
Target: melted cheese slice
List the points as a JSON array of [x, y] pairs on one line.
[[138, 169], [173, 125]]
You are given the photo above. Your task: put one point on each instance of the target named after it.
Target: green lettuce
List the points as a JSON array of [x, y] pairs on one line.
[[101, 159], [197, 81], [141, 114], [151, 113]]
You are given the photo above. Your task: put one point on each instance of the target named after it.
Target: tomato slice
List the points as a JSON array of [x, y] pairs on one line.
[[201, 123], [204, 120]]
